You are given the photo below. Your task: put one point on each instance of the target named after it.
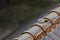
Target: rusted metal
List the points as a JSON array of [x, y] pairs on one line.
[[35, 31], [53, 17], [26, 36], [56, 10], [43, 27]]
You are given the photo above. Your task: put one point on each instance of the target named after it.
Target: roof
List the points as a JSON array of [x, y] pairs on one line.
[[54, 35]]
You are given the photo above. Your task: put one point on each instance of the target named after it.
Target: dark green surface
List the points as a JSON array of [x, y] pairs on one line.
[[15, 13], [19, 13]]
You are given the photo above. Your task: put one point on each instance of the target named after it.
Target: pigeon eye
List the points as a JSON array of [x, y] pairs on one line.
[[45, 20]]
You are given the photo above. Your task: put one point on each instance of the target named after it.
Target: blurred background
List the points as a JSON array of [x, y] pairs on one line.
[[14, 13]]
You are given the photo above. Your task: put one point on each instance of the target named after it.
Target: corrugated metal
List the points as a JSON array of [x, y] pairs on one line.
[[55, 35]]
